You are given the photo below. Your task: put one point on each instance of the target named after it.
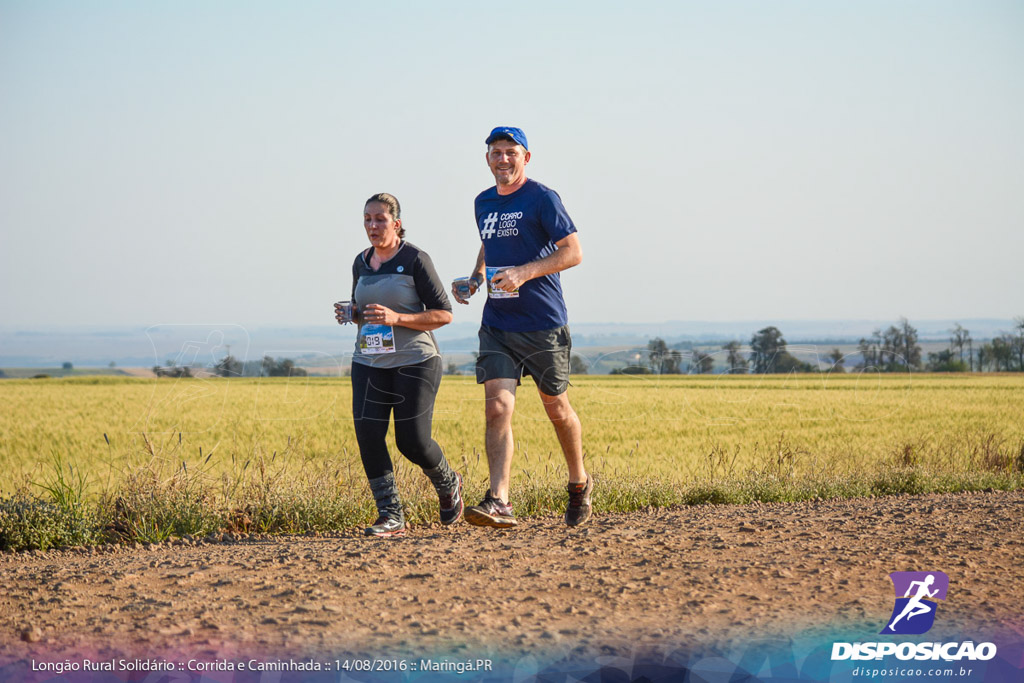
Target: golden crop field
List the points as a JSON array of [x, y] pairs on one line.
[[670, 428]]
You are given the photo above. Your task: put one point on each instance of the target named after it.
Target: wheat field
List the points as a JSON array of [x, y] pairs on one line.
[[672, 428]]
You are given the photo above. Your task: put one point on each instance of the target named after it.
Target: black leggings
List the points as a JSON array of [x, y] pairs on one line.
[[409, 390]]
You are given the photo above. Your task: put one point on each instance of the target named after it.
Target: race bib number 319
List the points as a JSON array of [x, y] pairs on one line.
[[375, 339]]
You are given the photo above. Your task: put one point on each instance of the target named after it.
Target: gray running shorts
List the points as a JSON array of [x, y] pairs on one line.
[[544, 355]]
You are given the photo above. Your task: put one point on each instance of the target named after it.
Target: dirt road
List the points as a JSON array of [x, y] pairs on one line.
[[691, 577]]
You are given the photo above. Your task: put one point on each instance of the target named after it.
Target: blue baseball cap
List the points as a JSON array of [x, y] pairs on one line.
[[516, 135]]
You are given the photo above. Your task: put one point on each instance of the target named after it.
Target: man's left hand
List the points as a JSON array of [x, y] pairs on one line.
[[508, 280]]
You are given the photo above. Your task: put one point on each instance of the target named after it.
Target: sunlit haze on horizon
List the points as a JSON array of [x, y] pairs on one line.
[[193, 162]]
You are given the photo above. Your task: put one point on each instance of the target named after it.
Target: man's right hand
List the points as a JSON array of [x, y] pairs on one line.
[[474, 285]]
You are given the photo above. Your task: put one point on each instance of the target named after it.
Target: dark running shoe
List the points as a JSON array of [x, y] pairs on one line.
[[451, 505], [386, 527], [579, 508], [491, 512]]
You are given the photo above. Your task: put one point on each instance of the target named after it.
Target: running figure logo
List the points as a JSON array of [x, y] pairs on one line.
[[916, 595]]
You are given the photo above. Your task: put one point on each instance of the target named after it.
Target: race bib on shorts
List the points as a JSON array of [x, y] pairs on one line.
[[495, 293], [375, 339]]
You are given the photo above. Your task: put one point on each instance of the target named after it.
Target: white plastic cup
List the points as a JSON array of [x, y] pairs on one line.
[[463, 286], [343, 311]]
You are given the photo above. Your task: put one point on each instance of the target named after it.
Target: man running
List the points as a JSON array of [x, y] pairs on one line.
[[527, 240]]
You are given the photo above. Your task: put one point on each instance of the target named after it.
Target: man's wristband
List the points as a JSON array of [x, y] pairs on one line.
[[475, 280]]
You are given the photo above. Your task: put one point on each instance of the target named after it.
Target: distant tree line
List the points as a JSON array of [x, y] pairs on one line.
[[229, 366], [768, 354], [172, 369], [665, 360], [1004, 353], [895, 349]]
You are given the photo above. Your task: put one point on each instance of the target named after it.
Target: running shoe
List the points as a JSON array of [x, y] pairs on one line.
[[491, 512], [386, 527], [451, 504], [579, 508]]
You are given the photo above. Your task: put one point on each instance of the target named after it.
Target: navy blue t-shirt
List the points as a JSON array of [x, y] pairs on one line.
[[515, 229]]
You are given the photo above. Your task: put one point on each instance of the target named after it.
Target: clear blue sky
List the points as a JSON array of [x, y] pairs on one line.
[[196, 162]]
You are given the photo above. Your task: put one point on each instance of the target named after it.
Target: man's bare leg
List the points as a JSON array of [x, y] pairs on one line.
[[570, 433], [501, 404]]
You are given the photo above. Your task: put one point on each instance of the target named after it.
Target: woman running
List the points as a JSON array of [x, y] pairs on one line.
[[397, 299]]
